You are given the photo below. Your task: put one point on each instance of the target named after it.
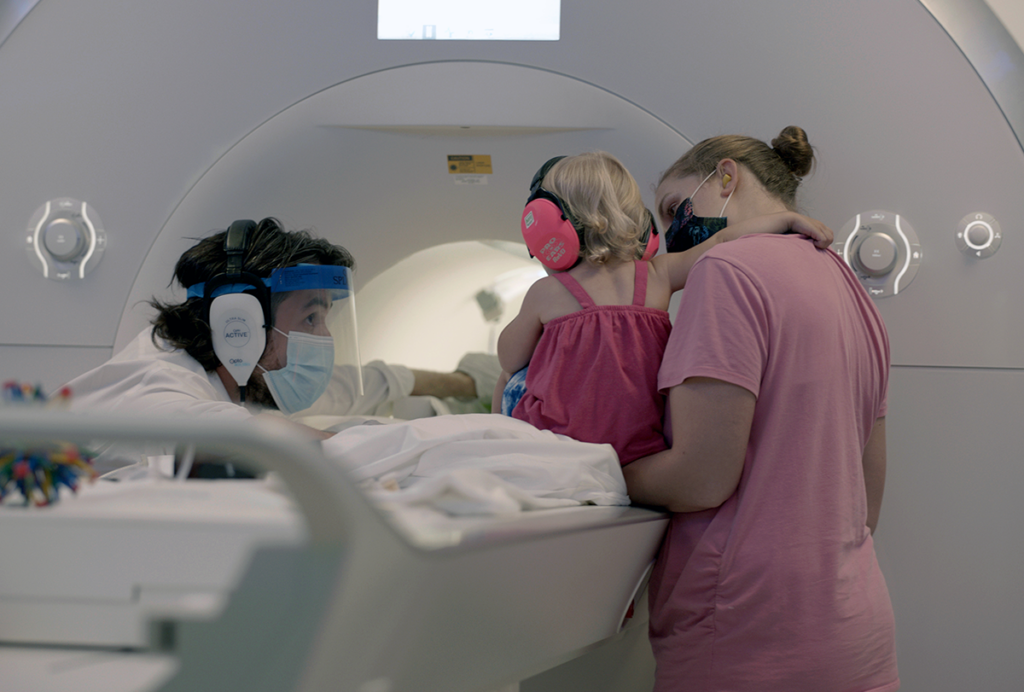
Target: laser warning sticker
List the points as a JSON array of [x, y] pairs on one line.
[[470, 165]]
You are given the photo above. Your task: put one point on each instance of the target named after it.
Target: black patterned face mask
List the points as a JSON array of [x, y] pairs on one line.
[[688, 230]]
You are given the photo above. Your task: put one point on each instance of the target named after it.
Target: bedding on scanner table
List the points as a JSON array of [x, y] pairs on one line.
[[477, 464]]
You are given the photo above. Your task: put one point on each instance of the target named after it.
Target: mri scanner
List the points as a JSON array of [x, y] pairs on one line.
[[130, 129]]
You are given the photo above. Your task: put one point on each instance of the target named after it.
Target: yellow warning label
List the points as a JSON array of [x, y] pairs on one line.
[[469, 164]]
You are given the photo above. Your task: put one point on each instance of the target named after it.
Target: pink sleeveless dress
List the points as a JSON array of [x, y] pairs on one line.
[[594, 373]]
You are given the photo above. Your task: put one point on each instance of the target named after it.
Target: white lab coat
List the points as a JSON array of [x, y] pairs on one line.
[[144, 379]]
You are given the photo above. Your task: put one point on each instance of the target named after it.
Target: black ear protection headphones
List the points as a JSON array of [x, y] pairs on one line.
[[236, 244], [554, 236]]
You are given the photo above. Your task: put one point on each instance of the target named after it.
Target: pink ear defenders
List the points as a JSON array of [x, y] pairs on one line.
[[548, 229], [553, 235], [650, 241]]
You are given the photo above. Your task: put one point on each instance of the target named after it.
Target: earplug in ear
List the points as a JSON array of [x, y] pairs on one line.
[[725, 179]]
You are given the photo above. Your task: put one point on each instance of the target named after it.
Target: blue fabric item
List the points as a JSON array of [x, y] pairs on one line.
[[196, 290], [298, 278], [514, 391]]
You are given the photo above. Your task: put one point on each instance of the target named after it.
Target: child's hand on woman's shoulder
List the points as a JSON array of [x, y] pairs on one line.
[[781, 222]]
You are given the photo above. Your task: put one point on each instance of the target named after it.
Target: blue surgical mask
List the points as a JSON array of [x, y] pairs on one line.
[[305, 376], [688, 230]]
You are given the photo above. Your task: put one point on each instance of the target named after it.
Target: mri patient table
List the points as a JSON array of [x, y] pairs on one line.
[[158, 585]]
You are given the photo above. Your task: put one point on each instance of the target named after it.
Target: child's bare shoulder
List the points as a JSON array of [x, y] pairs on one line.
[[542, 289], [550, 299], [540, 293]]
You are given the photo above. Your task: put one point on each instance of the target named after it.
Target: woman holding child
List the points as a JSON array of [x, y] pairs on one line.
[[772, 451], [776, 374]]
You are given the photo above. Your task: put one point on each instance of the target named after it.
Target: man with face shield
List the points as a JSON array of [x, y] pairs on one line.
[[297, 355], [268, 324], [310, 302]]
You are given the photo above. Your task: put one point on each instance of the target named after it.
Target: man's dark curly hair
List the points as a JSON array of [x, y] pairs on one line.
[[185, 325]]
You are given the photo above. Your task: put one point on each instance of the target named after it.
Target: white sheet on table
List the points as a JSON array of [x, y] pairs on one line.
[[478, 464]]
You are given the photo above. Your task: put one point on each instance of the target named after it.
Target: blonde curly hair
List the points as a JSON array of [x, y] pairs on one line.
[[604, 200]]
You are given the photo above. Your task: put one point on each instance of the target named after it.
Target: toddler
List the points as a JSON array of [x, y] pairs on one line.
[[593, 332]]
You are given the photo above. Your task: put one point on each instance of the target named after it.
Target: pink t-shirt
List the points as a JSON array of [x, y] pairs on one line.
[[594, 373], [779, 588]]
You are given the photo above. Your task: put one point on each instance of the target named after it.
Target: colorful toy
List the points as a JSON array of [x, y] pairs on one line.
[[36, 473]]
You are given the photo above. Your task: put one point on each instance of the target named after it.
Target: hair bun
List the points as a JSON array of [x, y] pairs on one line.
[[795, 151]]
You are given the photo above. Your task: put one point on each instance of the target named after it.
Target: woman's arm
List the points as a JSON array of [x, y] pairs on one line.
[[519, 338], [710, 422], [443, 384], [676, 265]]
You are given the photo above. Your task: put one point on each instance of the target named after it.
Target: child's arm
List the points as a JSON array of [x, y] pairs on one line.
[[779, 222], [519, 338], [677, 265]]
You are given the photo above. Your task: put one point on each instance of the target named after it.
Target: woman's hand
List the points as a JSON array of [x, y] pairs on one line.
[[781, 222]]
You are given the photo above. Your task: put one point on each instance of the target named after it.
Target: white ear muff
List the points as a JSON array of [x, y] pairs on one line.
[[238, 334]]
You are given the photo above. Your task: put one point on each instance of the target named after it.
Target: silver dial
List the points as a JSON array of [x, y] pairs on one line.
[[65, 239], [882, 249]]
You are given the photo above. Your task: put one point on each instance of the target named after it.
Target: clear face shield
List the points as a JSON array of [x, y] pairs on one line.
[[314, 336]]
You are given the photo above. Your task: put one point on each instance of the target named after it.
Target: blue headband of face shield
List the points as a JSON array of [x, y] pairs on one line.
[[332, 278]]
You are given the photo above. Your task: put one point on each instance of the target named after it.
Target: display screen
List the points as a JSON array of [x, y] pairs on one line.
[[468, 20]]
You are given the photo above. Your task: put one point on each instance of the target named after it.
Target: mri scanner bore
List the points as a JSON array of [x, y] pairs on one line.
[[176, 125]]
